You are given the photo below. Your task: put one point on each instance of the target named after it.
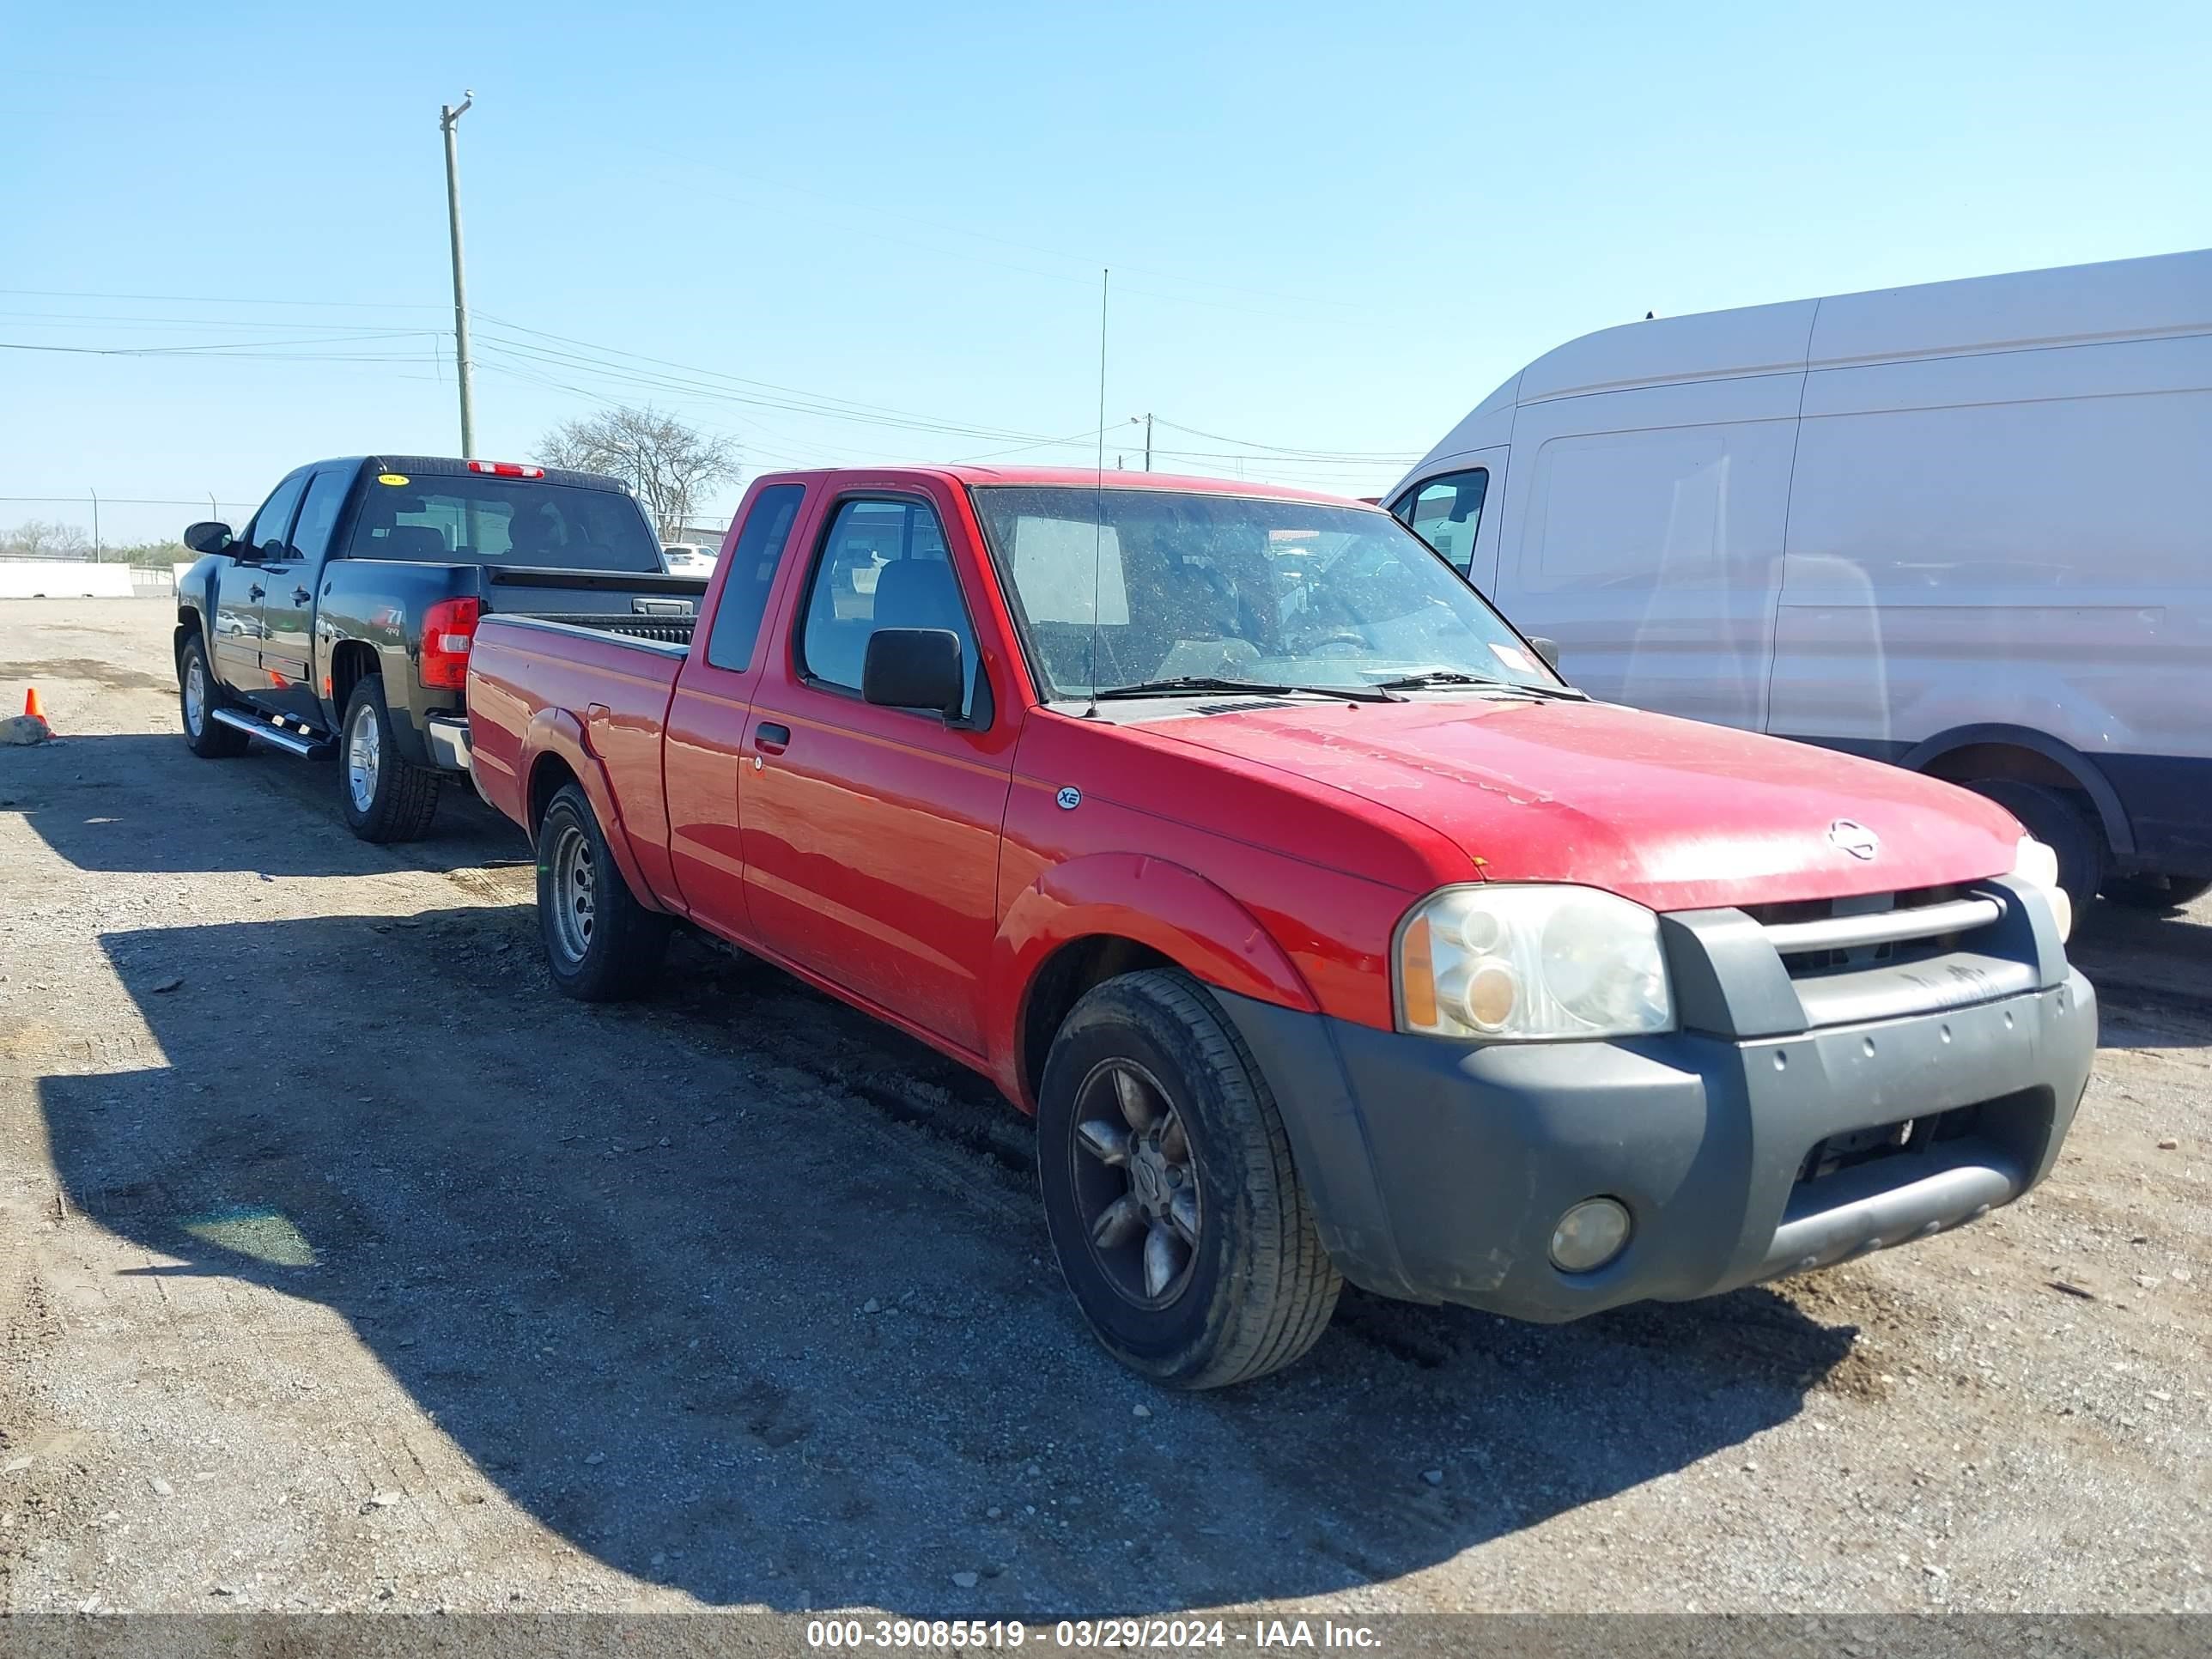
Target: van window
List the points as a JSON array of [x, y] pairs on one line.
[[1671, 509], [1446, 513]]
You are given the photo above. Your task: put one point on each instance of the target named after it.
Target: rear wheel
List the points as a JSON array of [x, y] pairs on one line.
[[197, 698], [2157, 892], [600, 943], [2059, 824], [1179, 1222], [386, 798]]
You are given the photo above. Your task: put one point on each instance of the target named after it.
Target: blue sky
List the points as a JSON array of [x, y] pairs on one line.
[[1332, 229]]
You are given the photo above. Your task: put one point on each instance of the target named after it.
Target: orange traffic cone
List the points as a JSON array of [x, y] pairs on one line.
[[31, 704]]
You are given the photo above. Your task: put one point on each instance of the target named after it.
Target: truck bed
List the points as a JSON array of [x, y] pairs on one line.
[[607, 678]]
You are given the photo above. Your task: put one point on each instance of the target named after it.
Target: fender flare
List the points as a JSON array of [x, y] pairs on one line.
[[2112, 815], [1151, 902], [556, 732]]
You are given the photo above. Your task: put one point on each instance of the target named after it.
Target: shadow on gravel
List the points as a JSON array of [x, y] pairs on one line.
[[119, 804], [740, 1293]]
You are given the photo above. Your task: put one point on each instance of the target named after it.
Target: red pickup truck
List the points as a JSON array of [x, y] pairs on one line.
[[1327, 932]]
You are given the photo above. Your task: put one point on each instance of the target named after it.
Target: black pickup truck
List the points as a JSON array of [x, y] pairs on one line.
[[341, 619]]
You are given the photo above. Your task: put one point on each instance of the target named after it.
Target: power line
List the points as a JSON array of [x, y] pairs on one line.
[[215, 299]]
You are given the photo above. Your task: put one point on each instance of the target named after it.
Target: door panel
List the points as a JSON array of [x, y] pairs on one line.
[[287, 609], [870, 835], [243, 590], [704, 751], [1644, 534], [871, 850]]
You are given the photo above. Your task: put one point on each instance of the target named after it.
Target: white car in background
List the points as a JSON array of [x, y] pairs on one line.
[[688, 559]]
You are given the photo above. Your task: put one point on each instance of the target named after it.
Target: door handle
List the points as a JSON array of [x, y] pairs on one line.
[[771, 738], [255, 592], [300, 596]]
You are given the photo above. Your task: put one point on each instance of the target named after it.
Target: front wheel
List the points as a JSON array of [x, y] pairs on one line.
[[385, 797], [197, 698], [600, 943], [1178, 1220]]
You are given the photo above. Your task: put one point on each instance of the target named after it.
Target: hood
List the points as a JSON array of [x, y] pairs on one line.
[[1671, 813]]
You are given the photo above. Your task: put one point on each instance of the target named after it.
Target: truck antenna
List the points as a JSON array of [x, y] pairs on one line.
[[1098, 503]]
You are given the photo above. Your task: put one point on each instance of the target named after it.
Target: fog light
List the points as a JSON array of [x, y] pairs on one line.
[[1588, 1236]]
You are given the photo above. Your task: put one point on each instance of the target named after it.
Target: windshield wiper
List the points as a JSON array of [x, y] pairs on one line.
[[1184, 686], [1453, 677]]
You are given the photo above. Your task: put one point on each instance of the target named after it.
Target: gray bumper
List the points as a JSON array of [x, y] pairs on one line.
[[1439, 1169], [447, 741]]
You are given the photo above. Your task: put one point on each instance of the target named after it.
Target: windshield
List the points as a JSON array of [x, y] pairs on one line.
[[1235, 588], [480, 520]]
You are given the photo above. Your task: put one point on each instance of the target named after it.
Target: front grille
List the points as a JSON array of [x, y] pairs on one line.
[[1818, 935]]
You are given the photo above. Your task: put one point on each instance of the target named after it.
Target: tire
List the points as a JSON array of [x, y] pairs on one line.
[[601, 944], [1223, 1278], [2059, 824], [198, 689], [2159, 893], [385, 798]]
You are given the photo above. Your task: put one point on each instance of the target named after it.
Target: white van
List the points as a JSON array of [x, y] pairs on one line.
[[1965, 528]]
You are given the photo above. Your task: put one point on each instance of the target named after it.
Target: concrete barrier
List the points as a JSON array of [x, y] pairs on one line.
[[60, 579]]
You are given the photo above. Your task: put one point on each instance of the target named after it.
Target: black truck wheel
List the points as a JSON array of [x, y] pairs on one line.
[[600, 943], [1180, 1225], [198, 696], [385, 797]]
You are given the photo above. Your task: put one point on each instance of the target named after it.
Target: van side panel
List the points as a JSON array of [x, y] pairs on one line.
[[1643, 531], [2017, 538]]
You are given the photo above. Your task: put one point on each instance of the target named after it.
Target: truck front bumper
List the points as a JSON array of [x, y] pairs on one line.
[[1439, 1170]]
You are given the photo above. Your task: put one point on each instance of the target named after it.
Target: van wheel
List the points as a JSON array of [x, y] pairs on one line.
[[386, 798], [198, 696], [2058, 824], [2157, 892], [1179, 1222], [600, 943]]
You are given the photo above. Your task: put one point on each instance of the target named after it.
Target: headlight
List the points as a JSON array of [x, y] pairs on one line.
[[1507, 963], [2035, 863]]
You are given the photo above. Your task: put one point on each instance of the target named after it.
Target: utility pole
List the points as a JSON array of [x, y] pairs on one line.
[[449, 116], [1148, 442], [95, 523]]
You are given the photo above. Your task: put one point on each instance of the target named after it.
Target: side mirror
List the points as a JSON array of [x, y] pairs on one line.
[[208, 536], [915, 668], [1547, 649]]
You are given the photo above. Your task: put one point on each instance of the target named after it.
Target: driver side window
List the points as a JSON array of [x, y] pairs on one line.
[[269, 535], [1446, 512]]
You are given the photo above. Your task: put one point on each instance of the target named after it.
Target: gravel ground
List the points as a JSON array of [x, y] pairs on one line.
[[343, 1264]]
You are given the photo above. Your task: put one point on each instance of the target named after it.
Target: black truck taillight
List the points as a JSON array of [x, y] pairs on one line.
[[449, 627]]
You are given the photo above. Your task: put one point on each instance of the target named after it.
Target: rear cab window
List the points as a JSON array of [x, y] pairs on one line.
[[753, 563], [469, 519]]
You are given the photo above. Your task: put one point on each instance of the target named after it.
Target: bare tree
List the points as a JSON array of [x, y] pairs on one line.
[[670, 465], [45, 539]]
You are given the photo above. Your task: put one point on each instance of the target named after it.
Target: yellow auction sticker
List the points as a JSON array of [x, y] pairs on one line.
[[390, 478]]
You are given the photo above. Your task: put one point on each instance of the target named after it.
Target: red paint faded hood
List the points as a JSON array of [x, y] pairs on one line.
[[1674, 814]]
